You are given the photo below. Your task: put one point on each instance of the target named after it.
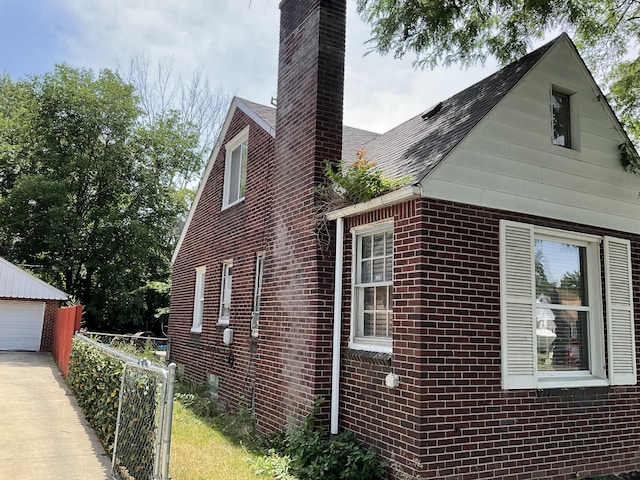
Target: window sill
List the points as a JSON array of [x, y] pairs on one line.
[[378, 346], [222, 323], [375, 358], [562, 382], [196, 330], [571, 152], [232, 204]]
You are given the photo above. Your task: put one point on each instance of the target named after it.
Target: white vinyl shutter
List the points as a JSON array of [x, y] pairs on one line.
[[517, 306], [619, 297]]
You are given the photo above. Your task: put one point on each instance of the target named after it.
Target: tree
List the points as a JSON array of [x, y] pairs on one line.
[[164, 97], [470, 31], [571, 282], [87, 189], [543, 285]]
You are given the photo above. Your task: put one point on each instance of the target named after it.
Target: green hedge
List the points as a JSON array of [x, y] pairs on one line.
[[94, 379]]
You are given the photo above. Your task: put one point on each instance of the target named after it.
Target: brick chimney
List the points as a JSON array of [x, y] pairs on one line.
[[295, 335]]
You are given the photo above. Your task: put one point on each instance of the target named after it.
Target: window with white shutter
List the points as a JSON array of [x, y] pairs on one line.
[[619, 298], [552, 318]]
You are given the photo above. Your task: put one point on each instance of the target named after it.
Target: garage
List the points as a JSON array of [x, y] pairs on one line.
[[21, 325], [27, 310]]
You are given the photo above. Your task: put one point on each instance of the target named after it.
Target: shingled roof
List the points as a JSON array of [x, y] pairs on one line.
[[418, 145], [352, 138], [415, 147]]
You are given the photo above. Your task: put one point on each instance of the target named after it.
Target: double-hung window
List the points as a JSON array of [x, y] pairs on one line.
[[198, 300], [235, 171], [225, 293], [372, 305], [552, 315]]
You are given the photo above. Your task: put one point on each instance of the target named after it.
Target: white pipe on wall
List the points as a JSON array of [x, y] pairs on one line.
[[337, 328]]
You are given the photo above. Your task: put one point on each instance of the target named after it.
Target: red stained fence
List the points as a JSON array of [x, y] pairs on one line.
[[66, 325]]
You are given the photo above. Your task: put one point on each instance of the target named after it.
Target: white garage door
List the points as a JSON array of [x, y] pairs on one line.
[[21, 325]]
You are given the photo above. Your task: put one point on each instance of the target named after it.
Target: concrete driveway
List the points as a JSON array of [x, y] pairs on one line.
[[43, 432]]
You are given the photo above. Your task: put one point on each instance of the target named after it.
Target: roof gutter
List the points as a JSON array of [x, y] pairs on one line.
[[391, 198]]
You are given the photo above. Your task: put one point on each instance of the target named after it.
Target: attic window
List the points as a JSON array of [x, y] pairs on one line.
[[235, 171], [431, 113], [561, 114]]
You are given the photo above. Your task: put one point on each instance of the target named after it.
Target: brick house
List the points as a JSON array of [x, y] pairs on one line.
[[477, 323]]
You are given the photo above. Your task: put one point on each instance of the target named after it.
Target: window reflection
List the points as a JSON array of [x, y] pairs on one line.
[[561, 306], [561, 119]]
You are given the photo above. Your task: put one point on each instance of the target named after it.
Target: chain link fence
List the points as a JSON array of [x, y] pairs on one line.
[[142, 344], [142, 439]]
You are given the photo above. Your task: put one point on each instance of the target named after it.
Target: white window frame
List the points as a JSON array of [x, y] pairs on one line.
[[518, 310], [198, 300], [226, 285], [257, 294], [357, 341], [240, 141]]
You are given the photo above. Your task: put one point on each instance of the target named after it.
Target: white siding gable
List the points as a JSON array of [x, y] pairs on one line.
[[16, 283], [509, 161]]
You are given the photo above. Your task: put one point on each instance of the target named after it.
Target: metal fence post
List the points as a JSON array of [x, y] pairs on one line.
[[168, 418], [115, 437]]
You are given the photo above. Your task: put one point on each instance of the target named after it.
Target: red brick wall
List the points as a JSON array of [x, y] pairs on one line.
[[290, 363], [294, 352], [50, 310], [450, 418], [214, 236]]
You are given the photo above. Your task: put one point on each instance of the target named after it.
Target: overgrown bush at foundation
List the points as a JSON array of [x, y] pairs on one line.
[[310, 453]]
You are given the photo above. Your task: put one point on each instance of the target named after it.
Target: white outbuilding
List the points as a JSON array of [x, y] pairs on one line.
[[28, 308]]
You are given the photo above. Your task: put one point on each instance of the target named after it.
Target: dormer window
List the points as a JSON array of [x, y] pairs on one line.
[[235, 171], [561, 114]]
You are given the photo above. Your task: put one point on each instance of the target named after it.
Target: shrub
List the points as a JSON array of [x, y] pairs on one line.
[[95, 379], [313, 454], [360, 181]]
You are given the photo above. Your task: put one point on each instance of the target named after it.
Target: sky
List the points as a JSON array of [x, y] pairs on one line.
[[233, 42]]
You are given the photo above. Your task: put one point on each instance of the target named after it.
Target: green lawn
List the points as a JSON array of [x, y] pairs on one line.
[[201, 452]]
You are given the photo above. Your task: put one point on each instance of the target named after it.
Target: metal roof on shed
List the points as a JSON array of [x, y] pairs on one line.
[[17, 283]]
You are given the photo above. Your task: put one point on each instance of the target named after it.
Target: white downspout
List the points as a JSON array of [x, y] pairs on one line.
[[337, 328]]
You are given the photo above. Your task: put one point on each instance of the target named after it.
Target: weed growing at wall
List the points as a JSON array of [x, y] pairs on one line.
[[237, 426], [310, 453], [361, 181]]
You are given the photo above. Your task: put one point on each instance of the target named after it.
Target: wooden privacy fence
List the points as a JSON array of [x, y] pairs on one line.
[[66, 325]]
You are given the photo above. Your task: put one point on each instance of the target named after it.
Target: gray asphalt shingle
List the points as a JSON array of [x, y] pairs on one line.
[[418, 145]]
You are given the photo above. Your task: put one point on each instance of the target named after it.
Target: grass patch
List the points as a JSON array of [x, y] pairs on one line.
[[207, 443], [211, 443]]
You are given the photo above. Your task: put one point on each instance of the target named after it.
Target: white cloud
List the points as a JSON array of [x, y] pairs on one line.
[[235, 42]]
